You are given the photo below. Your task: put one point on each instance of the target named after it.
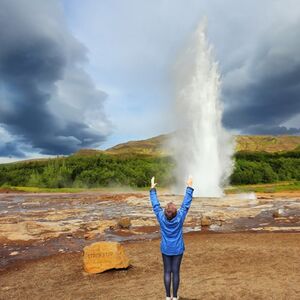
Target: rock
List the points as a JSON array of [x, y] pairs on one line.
[[107, 224], [90, 235], [14, 253], [278, 213], [206, 221], [102, 256], [124, 223], [219, 222], [6, 288], [92, 226]]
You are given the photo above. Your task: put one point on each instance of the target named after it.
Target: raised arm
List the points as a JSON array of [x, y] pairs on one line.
[[187, 200], [154, 200]]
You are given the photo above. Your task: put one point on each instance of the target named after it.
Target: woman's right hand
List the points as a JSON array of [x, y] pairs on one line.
[[190, 181], [152, 183]]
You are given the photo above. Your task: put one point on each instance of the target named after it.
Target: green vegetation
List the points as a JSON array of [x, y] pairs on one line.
[[76, 172], [101, 170], [263, 167], [31, 189], [265, 188]]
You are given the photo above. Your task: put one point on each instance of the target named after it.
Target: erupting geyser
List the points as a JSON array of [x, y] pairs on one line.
[[202, 147]]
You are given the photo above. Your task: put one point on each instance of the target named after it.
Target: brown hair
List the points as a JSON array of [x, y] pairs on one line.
[[170, 211]]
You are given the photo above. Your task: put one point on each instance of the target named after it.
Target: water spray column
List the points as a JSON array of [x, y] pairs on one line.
[[202, 148]]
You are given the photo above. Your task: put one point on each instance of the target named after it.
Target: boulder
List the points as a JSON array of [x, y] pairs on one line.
[[278, 213], [101, 256], [124, 223], [219, 222], [206, 221]]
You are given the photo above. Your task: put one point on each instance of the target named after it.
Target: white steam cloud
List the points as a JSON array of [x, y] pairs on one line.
[[201, 146]]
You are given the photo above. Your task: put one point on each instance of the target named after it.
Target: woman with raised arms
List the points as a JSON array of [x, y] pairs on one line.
[[172, 244]]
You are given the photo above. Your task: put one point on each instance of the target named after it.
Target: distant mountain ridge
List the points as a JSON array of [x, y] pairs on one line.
[[156, 145]]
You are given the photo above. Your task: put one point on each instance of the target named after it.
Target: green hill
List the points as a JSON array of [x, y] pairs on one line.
[[251, 143], [267, 143], [152, 146]]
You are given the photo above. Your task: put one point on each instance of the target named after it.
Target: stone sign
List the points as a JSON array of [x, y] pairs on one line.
[[103, 256]]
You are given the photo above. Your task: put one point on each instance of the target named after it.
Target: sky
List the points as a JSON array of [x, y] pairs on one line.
[[91, 74]]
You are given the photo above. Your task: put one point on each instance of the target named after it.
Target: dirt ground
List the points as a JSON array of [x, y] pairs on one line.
[[214, 266]]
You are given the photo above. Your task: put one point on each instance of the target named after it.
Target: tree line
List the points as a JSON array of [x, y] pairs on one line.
[[105, 170]]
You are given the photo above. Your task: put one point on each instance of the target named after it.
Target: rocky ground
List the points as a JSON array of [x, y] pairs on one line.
[[239, 247], [34, 225]]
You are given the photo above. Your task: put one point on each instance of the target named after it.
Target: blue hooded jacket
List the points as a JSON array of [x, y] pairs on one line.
[[171, 230]]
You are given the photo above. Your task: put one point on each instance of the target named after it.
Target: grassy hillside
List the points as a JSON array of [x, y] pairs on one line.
[[152, 146], [267, 143], [253, 143]]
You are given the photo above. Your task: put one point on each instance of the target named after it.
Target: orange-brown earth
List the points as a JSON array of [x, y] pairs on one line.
[[215, 266]]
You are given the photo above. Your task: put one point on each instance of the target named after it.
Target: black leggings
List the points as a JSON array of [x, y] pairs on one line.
[[171, 265]]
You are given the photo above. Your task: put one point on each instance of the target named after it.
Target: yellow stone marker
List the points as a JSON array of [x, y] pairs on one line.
[[102, 256]]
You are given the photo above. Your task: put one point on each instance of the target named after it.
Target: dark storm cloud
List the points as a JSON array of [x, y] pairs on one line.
[[272, 130], [10, 149], [37, 54], [264, 92]]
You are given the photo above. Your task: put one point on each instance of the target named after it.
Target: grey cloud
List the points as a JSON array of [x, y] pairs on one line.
[[10, 149], [272, 130], [264, 92], [37, 53]]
